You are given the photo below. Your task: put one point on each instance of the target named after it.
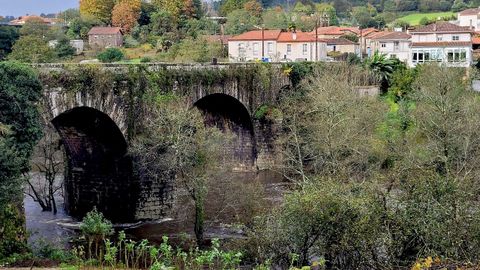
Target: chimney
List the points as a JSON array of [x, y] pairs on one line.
[[294, 35], [435, 27]]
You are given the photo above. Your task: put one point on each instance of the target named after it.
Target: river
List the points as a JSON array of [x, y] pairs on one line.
[[60, 229]]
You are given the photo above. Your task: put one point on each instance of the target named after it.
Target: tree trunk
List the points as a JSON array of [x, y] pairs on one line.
[[199, 221]]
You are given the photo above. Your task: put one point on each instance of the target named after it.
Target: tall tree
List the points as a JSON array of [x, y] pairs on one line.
[[97, 9], [173, 7], [125, 14]]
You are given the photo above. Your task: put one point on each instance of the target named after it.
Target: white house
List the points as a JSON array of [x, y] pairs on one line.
[[392, 44], [248, 46], [441, 42], [277, 46], [470, 18], [300, 46]]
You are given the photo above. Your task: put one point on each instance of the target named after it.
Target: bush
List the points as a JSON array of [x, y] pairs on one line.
[[110, 55]]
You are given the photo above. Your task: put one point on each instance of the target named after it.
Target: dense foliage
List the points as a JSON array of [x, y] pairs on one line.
[[20, 90]]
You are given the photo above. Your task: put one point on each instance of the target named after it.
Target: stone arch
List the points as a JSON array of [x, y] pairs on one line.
[[58, 100], [228, 113], [99, 172]]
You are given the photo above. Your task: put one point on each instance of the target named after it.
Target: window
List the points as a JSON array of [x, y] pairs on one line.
[[241, 50], [427, 55], [255, 48], [305, 49], [455, 38], [439, 38], [393, 56], [270, 47], [456, 55], [289, 49], [383, 45], [396, 45]]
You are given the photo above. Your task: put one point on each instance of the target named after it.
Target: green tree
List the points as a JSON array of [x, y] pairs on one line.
[[20, 91], [275, 19], [35, 27], [31, 49], [63, 49], [8, 36], [110, 55], [239, 21], [228, 6], [459, 5]]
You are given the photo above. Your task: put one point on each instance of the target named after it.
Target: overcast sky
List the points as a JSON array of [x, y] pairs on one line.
[[21, 7]]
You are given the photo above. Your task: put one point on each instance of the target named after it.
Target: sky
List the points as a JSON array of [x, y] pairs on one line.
[[22, 7]]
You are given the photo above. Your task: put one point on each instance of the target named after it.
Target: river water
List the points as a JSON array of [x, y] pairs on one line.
[[60, 229]]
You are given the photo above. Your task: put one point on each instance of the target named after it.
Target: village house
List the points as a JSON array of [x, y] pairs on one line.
[[392, 44], [277, 46], [470, 18], [342, 46], [441, 42], [105, 37], [23, 19], [334, 36]]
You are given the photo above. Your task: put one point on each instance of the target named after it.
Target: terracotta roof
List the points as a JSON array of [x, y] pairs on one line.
[[469, 12], [296, 37], [339, 41], [368, 31], [444, 27], [104, 30], [476, 40], [336, 30], [442, 44], [23, 19], [257, 35], [392, 36]]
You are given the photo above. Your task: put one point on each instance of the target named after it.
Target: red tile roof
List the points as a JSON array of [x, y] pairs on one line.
[[470, 12], [104, 30], [368, 31], [339, 41], [23, 19], [296, 37], [257, 35], [476, 40], [392, 36], [444, 27], [442, 44], [336, 30]]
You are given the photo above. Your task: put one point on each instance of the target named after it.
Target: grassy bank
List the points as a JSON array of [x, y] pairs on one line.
[[414, 18]]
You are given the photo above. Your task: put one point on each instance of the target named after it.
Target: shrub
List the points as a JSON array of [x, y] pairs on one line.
[[110, 55]]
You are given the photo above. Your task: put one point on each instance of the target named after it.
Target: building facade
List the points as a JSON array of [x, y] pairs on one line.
[[441, 42], [470, 18], [105, 37], [392, 44], [277, 46]]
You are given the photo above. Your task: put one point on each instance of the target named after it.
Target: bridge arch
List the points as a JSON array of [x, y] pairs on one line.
[[99, 172], [228, 113]]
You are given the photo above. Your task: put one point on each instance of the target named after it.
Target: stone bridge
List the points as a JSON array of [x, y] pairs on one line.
[[98, 110]]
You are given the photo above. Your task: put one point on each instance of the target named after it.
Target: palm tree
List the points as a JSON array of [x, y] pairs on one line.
[[383, 67]]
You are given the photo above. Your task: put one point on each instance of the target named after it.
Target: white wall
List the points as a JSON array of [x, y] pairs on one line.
[[434, 37], [401, 51], [470, 20], [278, 51]]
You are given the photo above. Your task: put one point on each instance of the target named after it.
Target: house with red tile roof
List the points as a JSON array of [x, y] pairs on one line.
[[105, 37], [275, 45], [441, 42], [23, 19], [394, 44], [470, 18]]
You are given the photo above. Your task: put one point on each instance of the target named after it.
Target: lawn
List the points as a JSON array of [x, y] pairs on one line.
[[414, 18]]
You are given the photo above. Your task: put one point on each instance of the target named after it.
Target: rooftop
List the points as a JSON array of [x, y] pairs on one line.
[[392, 36], [442, 44], [470, 12], [104, 30], [257, 35], [442, 27]]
